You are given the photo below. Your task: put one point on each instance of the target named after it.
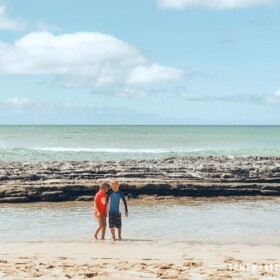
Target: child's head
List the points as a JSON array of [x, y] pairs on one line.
[[104, 187], [115, 185]]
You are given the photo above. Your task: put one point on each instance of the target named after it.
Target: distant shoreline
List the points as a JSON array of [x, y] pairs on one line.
[[175, 177], [216, 125]]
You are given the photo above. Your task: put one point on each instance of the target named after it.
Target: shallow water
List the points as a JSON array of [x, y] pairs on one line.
[[251, 221]]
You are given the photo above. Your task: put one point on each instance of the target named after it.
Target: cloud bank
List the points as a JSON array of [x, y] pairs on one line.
[[25, 110], [213, 4], [267, 99], [7, 23], [88, 59]]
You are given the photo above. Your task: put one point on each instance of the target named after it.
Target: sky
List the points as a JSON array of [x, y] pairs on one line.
[[144, 62]]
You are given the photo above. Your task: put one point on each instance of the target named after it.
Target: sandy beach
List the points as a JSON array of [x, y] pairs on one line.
[[137, 259], [210, 239]]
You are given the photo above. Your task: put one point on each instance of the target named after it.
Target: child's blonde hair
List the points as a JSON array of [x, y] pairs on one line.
[[114, 181]]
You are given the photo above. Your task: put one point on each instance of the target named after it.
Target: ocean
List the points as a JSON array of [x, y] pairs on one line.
[[248, 220], [56, 143]]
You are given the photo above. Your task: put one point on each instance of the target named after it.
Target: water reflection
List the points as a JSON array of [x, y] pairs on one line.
[[224, 220]]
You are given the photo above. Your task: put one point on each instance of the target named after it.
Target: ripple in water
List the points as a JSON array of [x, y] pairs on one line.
[[200, 220]]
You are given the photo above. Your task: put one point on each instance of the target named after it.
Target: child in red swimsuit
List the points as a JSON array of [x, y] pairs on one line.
[[100, 210]]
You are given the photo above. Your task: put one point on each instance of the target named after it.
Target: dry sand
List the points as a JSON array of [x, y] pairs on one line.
[[137, 259]]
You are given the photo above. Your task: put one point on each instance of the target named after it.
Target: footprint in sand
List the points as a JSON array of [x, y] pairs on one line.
[[62, 258], [90, 274], [143, 264], [267, 273], [67, 265], [167, 266], [224, 273], [37, 275], [192, 263], [50, 266], [167, 275], [232, 260], [24, 258]]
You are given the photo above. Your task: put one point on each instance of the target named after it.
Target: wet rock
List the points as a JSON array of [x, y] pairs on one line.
[[52, 195], [85, 198], [15, 193], [14, 199], [185, 176], [2, 194], [34, 177]]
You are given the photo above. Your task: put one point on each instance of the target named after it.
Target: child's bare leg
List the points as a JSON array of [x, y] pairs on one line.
[[113, 233], [103, 233], [103, 228], [99, 227], [120, 233]]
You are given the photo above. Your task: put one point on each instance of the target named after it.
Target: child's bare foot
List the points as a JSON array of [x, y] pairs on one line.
[[120, 238], [95, 236], [113, 238]]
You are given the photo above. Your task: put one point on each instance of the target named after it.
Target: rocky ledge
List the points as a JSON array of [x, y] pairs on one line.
[[188, 176]]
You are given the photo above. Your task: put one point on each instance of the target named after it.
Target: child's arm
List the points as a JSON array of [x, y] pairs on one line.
[[125, 203], [107, 204], [109, 192]]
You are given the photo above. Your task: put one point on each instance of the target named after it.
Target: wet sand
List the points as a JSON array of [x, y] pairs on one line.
[[137, 259]]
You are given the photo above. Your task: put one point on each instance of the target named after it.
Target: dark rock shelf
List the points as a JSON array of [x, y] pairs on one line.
[[179, 177]]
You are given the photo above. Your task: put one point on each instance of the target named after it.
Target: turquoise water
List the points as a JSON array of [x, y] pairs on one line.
[[40, 143], [251, 221]]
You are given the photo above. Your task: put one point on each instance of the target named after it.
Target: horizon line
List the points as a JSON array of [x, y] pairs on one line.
[[139, 124]]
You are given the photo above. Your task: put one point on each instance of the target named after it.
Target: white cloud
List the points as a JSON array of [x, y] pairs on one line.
[[264, 99], [214, 4], [154, 72], [24, 110], [277, 93], [17, 101], [83, 59], [273, 98], [7, 23]]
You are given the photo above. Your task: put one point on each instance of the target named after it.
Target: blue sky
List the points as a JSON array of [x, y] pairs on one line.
[[140, 62]]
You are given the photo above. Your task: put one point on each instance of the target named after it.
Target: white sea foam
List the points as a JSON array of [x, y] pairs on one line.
[[109, 150]]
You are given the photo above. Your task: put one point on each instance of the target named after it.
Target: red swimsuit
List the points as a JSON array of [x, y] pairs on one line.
[[100, 203]]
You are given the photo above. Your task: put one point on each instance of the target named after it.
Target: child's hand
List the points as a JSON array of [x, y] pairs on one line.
[[126, 214]]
